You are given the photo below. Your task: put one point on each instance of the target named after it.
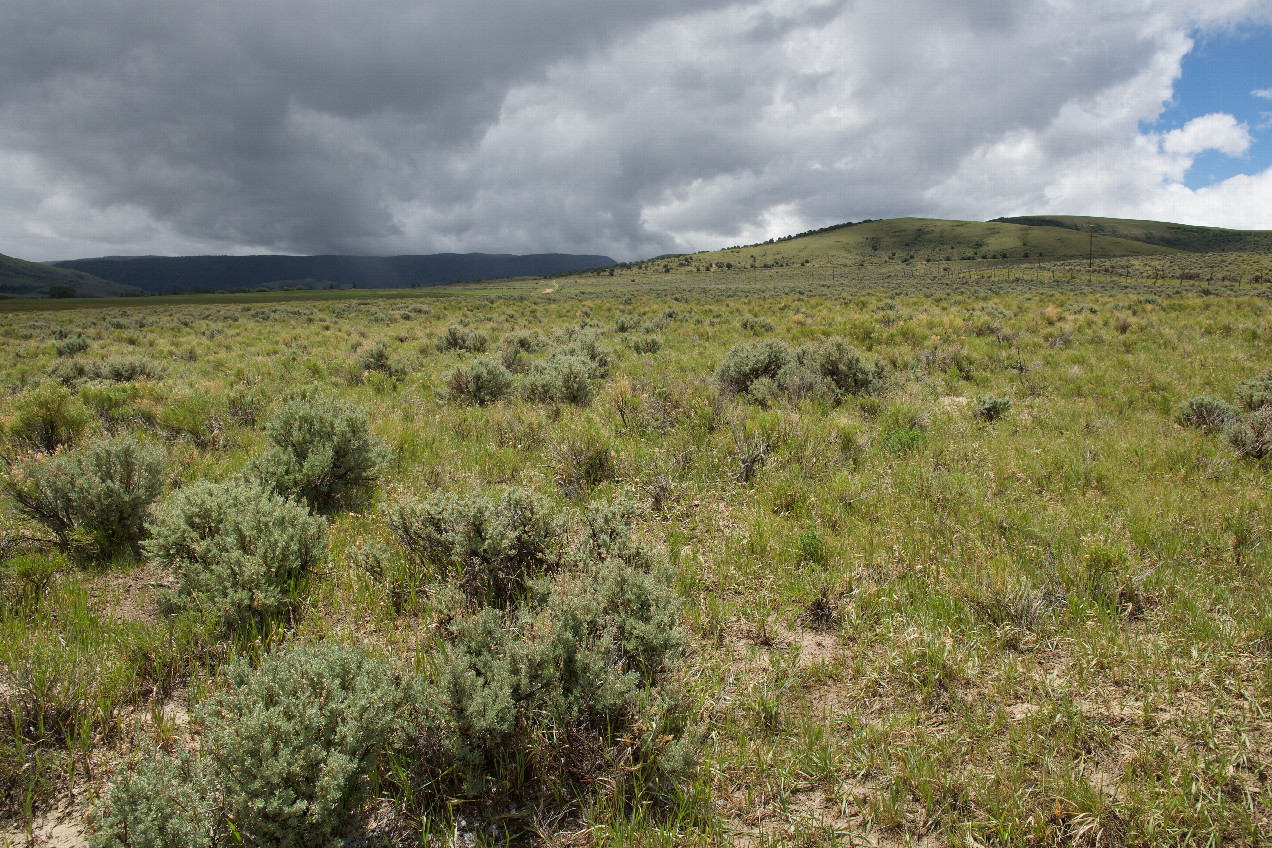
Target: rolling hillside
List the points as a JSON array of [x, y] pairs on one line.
[[19, 278], [924, 239], [1160, 233]]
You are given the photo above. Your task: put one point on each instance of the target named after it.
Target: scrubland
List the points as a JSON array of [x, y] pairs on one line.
[[795, 552]]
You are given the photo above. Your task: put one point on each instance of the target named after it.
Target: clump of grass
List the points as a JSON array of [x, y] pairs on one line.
[[194, 414], [582, 461], [49, 416]]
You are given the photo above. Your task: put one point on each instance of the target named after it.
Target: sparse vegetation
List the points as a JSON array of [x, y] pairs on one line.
[[776, 580]]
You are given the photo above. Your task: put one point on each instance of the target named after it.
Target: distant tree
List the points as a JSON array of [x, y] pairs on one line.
[[61, 291]]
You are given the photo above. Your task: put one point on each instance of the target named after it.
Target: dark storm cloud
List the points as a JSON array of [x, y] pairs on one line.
[[625, 128]]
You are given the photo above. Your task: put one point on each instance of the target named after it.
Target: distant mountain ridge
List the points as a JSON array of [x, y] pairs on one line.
[[164, 274], [19, 278]]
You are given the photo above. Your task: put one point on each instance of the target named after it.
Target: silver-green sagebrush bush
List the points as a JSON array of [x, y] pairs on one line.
[[115, 369], [562, 378], [491, 548], [291, 744], [563, 691], [1251, 436], [1256, 393], [750, 361], [97, 496], [1206, 412], [479, 382], [462, 338], [236, 549], [830, 369], [990, 408], [160, 801], [323, 453]]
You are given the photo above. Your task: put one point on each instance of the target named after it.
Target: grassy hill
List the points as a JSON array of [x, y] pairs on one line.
[[924, 240], [1158, 233], [19, 278]]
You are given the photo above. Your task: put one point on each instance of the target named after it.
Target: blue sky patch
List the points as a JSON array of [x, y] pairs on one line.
[[1220, 74]]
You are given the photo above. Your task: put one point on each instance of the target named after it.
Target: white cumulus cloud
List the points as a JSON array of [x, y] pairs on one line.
[[1216, 131], [567, 125]]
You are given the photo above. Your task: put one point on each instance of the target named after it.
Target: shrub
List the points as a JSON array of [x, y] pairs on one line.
[[1252, 437], [515, 345], [626, 323], [160, 801], [553, 690], [1206, 412], [49, 416], [98, 495], [323, 453], [236, 550], [645, 344], [840, 363], [990, 408], [462, 338], [524, 340], [479, 382], [1256, 393], [586, 344], [116, 369], [747, 362], [291, 744], [561, 379], [493, 549], [376, 358], [71, 346]]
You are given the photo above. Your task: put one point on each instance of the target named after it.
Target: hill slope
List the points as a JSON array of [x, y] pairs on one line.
[[19, 278], [1178, 236], [926, 239], [212, 273]]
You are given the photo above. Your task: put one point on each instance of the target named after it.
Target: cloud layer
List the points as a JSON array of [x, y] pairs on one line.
[[630, 129]]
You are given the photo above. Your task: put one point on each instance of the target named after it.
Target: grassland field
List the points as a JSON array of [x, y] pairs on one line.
[[906, 621]]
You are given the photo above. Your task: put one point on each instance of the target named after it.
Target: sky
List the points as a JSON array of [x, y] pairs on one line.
[[604, 127]]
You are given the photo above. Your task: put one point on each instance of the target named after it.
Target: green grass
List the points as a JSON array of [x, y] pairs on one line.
[[907, 623], [1178, 236]]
